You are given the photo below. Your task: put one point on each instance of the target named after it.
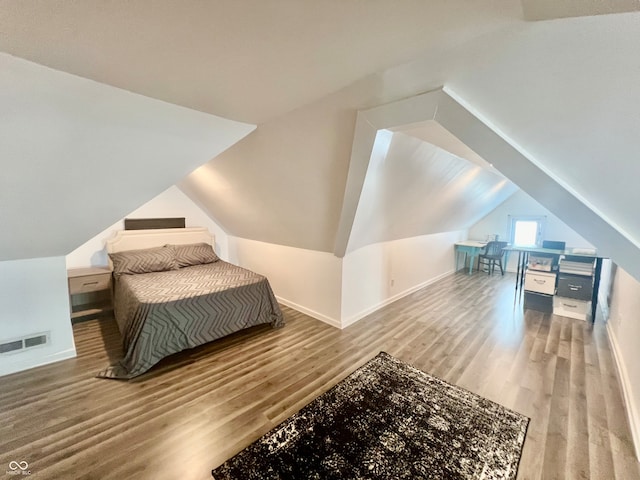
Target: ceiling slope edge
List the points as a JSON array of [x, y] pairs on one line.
[[365, 139], [537, 10], [456, 116]]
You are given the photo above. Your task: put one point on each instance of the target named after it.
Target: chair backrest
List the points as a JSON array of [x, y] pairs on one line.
[[553, 244], [495, 248]]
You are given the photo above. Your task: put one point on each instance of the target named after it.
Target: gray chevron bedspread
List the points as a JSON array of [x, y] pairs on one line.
[[162, 313]]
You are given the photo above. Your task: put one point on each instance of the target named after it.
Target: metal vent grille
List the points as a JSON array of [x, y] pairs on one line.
[[11, 346], [35, 341], [18, 344]]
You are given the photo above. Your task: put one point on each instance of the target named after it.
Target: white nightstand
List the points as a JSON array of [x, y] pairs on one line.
[[89, 292]]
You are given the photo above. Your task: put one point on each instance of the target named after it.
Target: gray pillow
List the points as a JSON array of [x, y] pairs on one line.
[[157, 259], [194, 254]]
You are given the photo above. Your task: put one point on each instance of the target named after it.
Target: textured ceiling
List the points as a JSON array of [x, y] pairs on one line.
[[247, 60]]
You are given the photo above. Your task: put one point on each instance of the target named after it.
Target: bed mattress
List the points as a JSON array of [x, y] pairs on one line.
[[162, 313]]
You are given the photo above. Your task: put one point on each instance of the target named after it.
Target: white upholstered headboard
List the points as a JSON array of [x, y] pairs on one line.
[[137, 239]]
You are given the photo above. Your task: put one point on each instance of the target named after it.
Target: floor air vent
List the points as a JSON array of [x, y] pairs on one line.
[[19, 344]]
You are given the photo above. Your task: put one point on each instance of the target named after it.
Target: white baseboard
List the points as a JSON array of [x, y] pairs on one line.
[[18, 364], [632, 413], [367, 311], [312, 313]]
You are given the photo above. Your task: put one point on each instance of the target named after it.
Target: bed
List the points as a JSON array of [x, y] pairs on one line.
[[172, 293]]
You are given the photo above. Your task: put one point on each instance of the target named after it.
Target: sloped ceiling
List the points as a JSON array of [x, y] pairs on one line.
[[77, 155], [414, 188], [562, 91], [435, 134], [248, 60]]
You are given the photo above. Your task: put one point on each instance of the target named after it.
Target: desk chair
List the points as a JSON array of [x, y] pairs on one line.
[[493, 253]]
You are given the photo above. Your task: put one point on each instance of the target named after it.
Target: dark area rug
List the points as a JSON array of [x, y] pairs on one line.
[[388, 421]]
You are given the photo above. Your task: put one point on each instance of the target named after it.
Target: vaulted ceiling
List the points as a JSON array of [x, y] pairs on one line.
[[564, 92], [414, 188], [248, 60]]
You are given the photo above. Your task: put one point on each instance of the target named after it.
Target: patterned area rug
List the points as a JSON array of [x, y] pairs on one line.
[[388, 420]]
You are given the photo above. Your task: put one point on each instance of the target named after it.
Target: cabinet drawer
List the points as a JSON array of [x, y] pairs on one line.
[[572, 308], [540, 282], [575, 286], [538, 301], [89, 283]]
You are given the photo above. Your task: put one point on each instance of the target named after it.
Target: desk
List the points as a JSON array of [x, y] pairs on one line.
[[471, 248], [523, 260]]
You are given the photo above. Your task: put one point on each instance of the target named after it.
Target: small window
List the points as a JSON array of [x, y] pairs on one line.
[[526, 231]]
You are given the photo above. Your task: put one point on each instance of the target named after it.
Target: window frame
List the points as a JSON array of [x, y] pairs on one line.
[[541, 220]]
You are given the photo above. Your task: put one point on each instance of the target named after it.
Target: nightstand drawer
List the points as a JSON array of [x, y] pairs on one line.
[[89, 283], [575, 286], [540, 282], [89, 292]]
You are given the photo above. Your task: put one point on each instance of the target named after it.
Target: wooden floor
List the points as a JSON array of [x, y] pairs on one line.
[[200, 407]]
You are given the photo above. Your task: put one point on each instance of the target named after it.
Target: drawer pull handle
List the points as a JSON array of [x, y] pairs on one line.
[[570, 306], [539, 282], [89, 283], [575, 287]]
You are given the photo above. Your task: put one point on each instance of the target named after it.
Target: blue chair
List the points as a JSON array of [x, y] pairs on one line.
[[493, 254]]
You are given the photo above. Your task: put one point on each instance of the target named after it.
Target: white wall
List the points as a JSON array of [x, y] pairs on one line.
[[378, 274], [522, 204], [624, 332], [340, 291], [306, 280], [34, 299], [170, 203]]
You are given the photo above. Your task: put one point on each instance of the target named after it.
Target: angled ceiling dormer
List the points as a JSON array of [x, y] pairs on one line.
[[450, 112], [414, 188]]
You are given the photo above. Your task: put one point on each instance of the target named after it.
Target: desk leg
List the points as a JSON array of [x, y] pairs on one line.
[[471, 260], [523, 266], [522, 263], [518, 271], [596, 287]]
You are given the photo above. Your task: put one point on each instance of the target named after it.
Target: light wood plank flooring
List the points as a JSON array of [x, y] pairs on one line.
[[200, 407]]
